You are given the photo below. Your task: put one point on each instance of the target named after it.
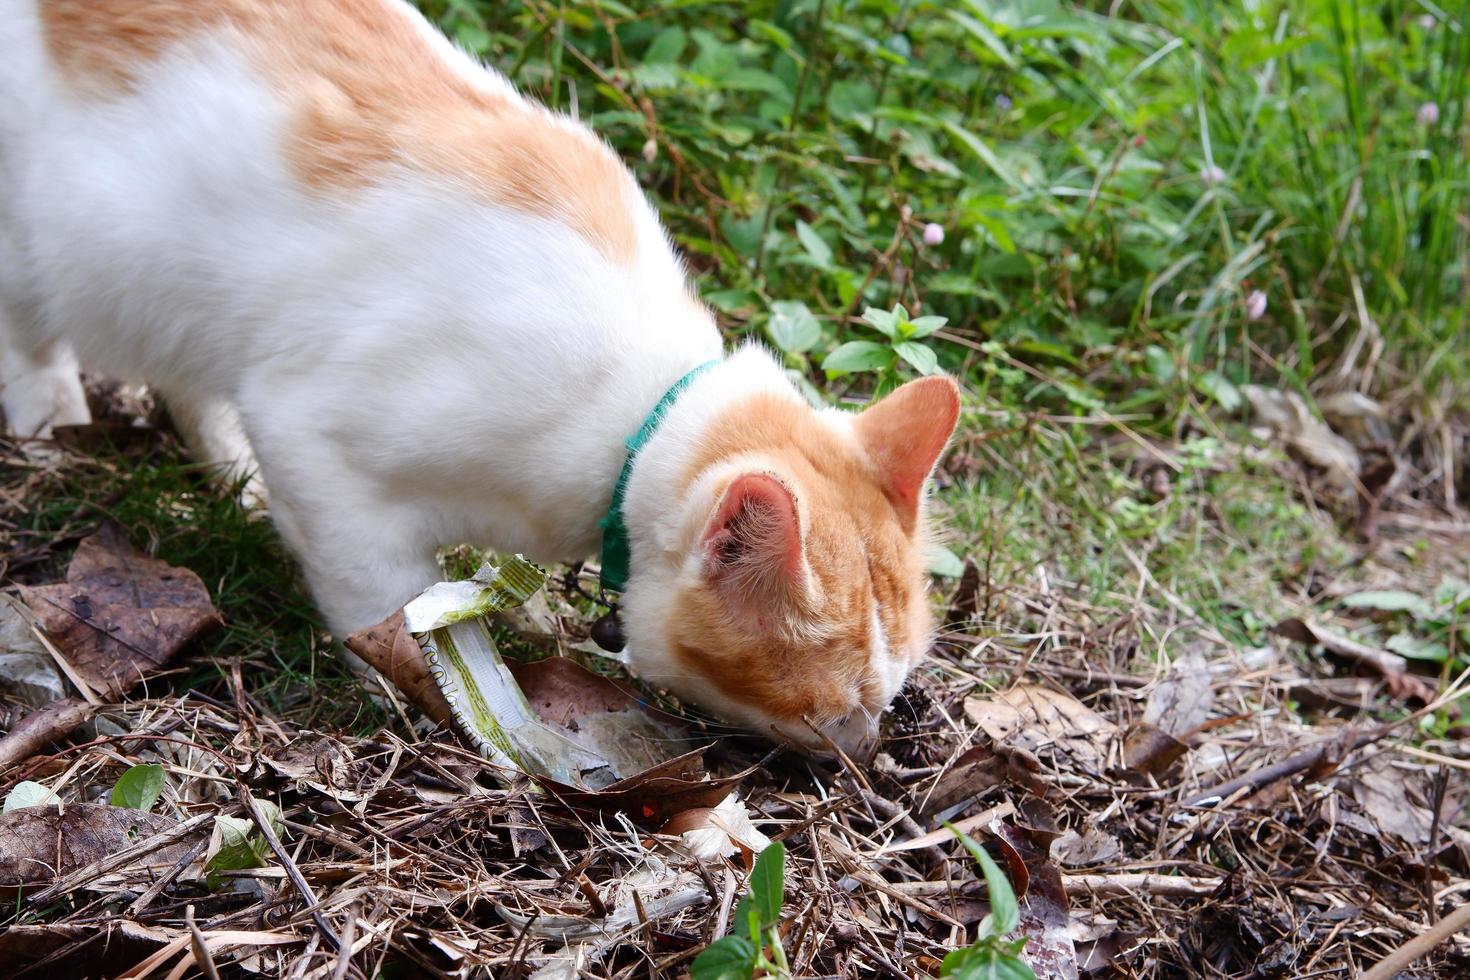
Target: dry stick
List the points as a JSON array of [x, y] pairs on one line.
[[1305, 760], [202, 957], [1133, 884], [40, 728], [167, 878], [112, 862], [293, 873], [1410, 951]]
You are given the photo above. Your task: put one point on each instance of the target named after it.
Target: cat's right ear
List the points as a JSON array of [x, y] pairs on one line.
[[753, 545]]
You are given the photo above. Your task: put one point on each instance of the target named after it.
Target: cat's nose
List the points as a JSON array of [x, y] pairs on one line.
[[856, 735]]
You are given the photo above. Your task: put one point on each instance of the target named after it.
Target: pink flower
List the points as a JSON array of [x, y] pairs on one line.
[[1427, 21], [1255, 305], [933, 234], [1428, 114], [1211, 175]]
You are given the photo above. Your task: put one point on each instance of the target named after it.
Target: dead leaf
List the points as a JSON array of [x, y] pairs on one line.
[[1151, 750], [1047, 723], [27, 672], [391, 650], [1290, 419], [65, 950], [1182, 700], [120, 615], [979, 769], [1090, 846], [41, 844], [40, 728]]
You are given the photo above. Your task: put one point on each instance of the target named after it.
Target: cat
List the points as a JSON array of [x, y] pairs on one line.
[[430, 311]]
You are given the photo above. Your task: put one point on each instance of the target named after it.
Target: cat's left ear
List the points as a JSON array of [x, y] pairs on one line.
[[904, 433]]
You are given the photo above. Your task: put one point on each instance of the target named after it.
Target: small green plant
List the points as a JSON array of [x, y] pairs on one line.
[[1434, 628], [236, 845], [138, 788], [991, 956], [903, 335], [754, 942]]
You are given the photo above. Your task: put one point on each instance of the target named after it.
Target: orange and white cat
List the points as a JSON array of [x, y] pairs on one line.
[[431, 312]]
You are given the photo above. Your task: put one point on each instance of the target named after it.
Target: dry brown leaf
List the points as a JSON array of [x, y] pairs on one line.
[[67, 950], [1182, 700], [981, 768], [1393, 668], [120, 615], [1151, 750], [1290, 419], [1091, 846], [40, 844], [391, 650], [40, 728], [1047, 723]]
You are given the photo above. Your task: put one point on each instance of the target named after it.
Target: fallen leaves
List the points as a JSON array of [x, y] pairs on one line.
[[1047, 724], [120, 615], [41, 844]]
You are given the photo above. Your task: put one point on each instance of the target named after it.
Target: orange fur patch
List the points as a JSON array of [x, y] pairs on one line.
[[369, 91], [858, 552]]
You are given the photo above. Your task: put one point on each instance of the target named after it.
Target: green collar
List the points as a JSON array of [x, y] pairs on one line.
[[615, 553]]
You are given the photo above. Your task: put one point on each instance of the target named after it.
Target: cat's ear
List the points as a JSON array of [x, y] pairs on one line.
[[904, 433], [752, 543]]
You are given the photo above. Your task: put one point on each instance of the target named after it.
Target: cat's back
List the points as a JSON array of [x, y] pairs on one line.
[[229, 153]]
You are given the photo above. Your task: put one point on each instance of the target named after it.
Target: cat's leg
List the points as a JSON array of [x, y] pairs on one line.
[[212, 430], [365, 551], [40, 386]]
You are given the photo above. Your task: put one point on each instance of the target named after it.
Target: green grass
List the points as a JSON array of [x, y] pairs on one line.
[[1062, 151]]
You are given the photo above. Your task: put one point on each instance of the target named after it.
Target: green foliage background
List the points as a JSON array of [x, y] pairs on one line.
[[1113, 180]]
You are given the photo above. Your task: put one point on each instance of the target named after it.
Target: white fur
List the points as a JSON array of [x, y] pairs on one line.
[[411, 366]]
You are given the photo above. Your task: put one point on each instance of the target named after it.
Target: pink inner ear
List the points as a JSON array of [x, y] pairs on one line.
[[905, 433], [754, 532]]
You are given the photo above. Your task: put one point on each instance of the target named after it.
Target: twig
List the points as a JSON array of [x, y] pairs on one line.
[[1289, 766], [40, 728], [1394, 962], [202, 957], [293, 873], [1134, 883]]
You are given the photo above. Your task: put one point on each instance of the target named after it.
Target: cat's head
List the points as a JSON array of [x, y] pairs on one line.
[[788, 593]]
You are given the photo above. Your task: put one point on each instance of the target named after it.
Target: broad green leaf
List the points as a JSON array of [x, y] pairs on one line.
[[29, 793], [768, 884], [666, 47], [235, 845], [1387, 600], [985, 154], [884, 321], [858, 355], [792, 327], [819, 250], [980, 32], [943, 562], [1218, 387], [1418, 648], [139, 788], [731, 958], [985, 962], [1160, 364], [923, 326], [924, 360], [1004, 915]]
